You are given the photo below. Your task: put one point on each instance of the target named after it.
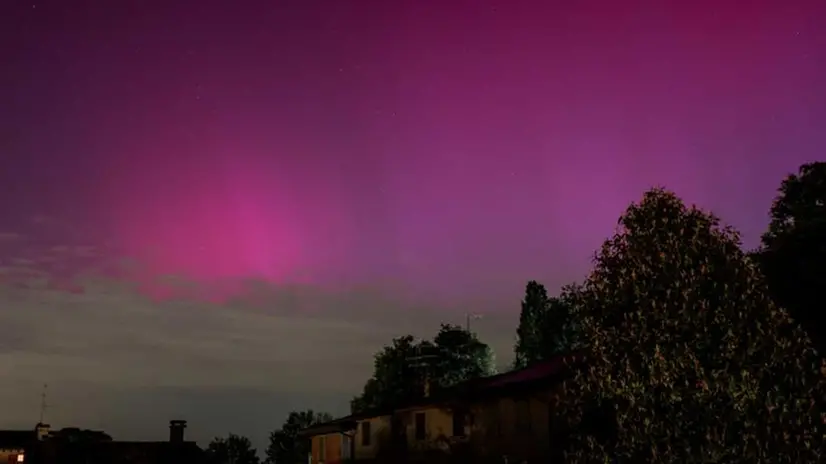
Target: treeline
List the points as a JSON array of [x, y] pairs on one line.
[[403, 371], [696, 350]]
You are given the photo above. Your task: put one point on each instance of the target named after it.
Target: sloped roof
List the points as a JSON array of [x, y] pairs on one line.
[[543, 372], [134, 452], [16, 439]]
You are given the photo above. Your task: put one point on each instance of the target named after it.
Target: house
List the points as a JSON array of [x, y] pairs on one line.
[[14, 443], [510, 414], [513, 413], [19, 445], [72, 445]]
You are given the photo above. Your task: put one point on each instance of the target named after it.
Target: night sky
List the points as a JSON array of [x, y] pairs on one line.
[[218, 210]]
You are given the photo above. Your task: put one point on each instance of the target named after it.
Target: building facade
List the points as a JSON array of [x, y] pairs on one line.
[[509, 416]]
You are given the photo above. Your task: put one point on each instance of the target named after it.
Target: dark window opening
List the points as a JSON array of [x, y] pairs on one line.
[[523, 415], [497, 418], [365, 433], [421, 433], [459, 418]]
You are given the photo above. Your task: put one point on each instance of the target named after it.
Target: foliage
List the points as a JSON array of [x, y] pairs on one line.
[[559, 326], [793, 250], [459, 356], [234, 449], [546, 325], [529, 331], [395, 376], [76, 435], [286, 447], [402, 369], [688, 358]]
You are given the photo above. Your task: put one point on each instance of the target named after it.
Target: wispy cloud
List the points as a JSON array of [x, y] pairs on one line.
[[78, 317], [290, 346]]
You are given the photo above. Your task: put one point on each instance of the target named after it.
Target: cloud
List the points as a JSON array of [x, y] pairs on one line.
[[123, 362], [10, 236], [126, 351]]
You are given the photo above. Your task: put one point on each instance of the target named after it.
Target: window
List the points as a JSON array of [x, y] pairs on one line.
[[421, 432], [497, 414], [365, 433], [322, 448], [523, 415], [459, 423], [346, 441]]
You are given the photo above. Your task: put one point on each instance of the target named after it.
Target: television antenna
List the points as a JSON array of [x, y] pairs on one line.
[[43, 404]]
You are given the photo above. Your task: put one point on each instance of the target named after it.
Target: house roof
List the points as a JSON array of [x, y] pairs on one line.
[[340, 425], [16, 439], [133, 452], [533, 376]]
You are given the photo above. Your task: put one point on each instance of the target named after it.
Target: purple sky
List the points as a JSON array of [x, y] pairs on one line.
[[212, 208]]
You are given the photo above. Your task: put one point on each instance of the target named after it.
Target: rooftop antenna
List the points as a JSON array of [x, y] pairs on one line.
[[470, 317], [43, 404]]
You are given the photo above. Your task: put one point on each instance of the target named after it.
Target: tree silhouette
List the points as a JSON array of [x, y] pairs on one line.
[[234, 449], [546, 325], [688, 358], [402, 368], [531, 318], [396, 377], [460, 356], [793, 250], [286, 447]]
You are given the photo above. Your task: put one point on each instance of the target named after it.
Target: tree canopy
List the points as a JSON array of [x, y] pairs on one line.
[[460, 356], [286, 447], [402, 368], [688, 358], [546, 325], [233, 449], [793, 249], [531, 318]]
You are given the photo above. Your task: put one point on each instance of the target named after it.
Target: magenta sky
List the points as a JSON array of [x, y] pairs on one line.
[[447, 150]]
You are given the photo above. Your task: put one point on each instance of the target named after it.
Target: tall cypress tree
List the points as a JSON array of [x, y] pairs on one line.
[[528, 346]]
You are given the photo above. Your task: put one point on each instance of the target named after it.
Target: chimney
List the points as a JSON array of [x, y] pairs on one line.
[[42, 431], [176, 431]]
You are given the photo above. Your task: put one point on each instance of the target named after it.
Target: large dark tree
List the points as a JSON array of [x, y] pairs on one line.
[[559, 326], [397, 376], [402, 369], [286, 447], [531, 318], [688, 358], [793, 250], [460, 356], [546, 325], [233, 449]]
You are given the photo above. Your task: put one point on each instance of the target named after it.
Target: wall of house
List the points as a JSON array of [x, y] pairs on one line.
[[438, 432], [517, 427], [379, 437], [331, 453], [438, 428], [9, 455]]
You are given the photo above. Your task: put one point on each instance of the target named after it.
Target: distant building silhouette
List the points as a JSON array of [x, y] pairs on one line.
[[73, 445], [14, 444]]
